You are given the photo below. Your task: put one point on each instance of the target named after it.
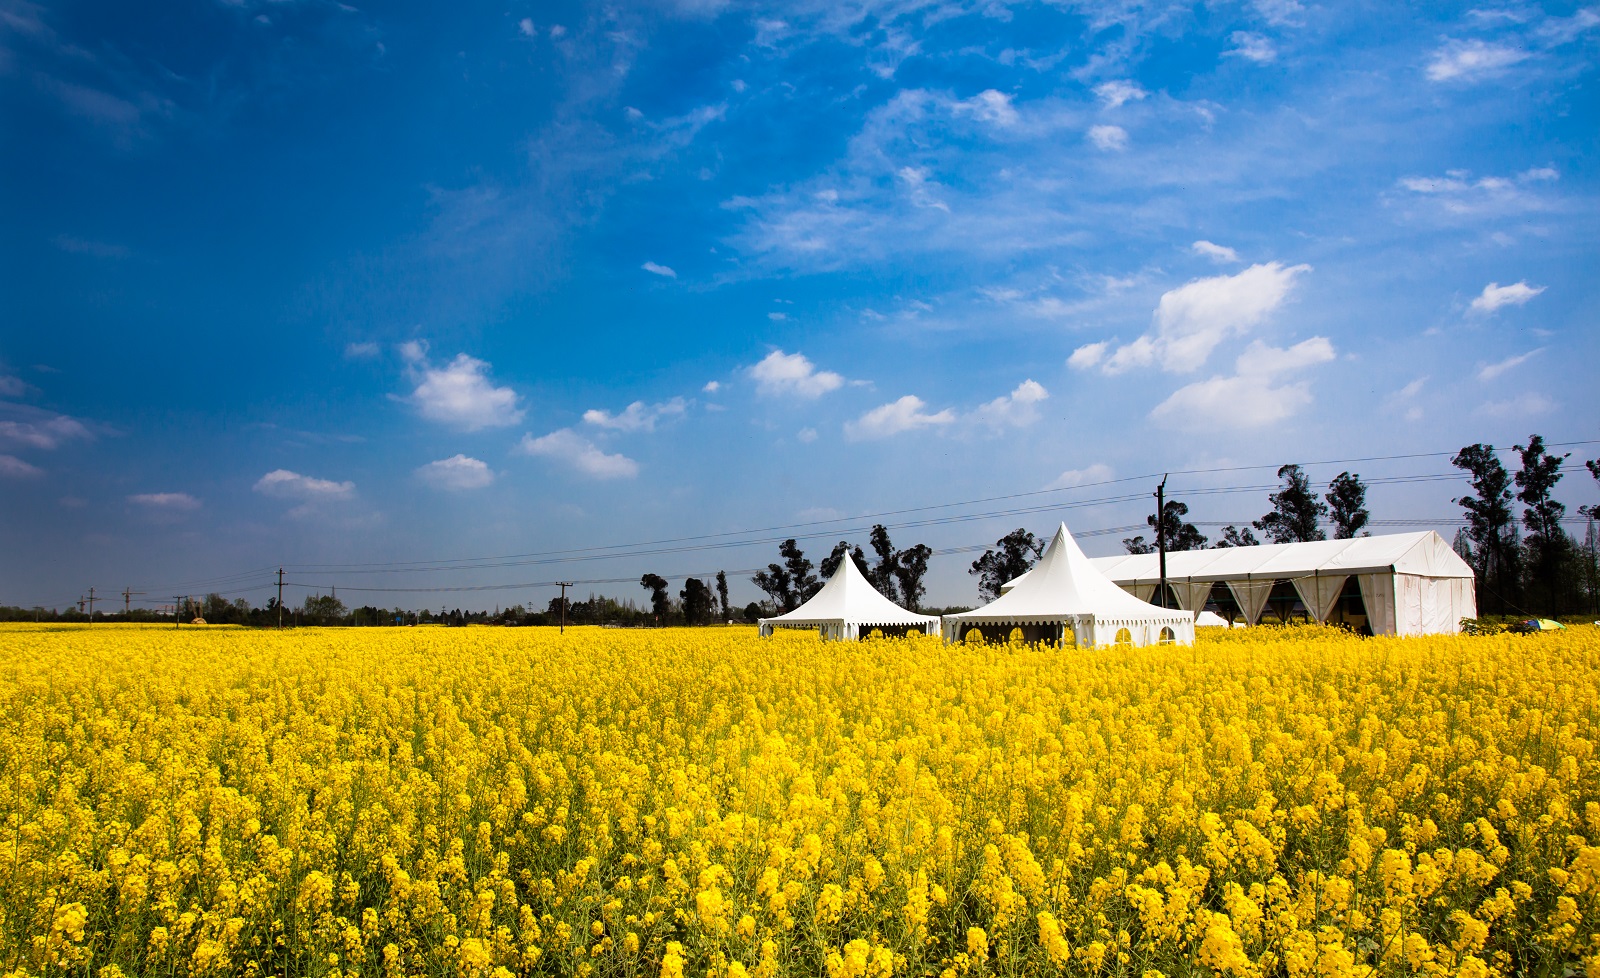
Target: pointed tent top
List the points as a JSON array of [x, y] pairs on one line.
[[1065, 582], [849, 598]]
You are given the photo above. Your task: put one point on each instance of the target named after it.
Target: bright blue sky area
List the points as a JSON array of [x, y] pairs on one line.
[[313, 283]]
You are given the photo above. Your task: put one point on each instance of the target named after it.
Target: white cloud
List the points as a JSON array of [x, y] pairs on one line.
[[284, 484], [458, 472], [661, 270], [712, 386], [1098, 472], [12, 467], [1018, 409], [1540, 173], [792, 373], [906, 414], [1112, 138], [1116, 93], [1215, 252], [1490, 371], [45, 431], [1088, 355], [988, 106], [1280, 13], [637, 416], [1521, 406], [460, 393], [1472, 60], [361, 351], [777, 317], [525, 25], [165, 501], [566, 445], [12, 387], [1252, 47], [1495, 295], [1256, 395], [806, 435], [1191, 320]]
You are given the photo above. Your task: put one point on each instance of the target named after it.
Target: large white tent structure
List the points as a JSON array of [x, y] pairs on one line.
[[1409, 583], [1066, 599], [847, 607]]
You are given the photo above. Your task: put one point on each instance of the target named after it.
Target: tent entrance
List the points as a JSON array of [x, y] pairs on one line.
[[1003, 633]]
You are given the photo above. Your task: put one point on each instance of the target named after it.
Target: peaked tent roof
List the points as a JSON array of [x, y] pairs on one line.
[[1065, 582], [1424, 554], [849, 598]]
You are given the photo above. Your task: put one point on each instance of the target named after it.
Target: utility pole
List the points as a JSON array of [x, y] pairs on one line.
[[280, 599], [91, 606], [1161, 536], [177, 605], [127, 593], [80, 604], [564, 586]]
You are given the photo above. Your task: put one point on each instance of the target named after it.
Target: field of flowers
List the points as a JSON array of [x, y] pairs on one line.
[[483, 802]]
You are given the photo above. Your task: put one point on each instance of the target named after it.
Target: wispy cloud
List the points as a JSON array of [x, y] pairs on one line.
[[1490, 371], [661, 270], [570, 448], [1215, 252], [165, 502], [361, 351], [1097, 472], [1252, 47], [793, 373], [42, 429], [1521, 406], [906, 414], [1117, 93], [637, 416], [1472, 60], [95, 249], [1259, 393], [456, 473], [460, 393], [284, 484], [1191, 320], [1109, 138], [1017, 409], [1496, 296], [12, 467]]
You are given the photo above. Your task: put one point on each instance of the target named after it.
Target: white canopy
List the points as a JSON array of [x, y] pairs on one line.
[[845, 606], [1411, 583], [1065, 588], [1210, 619]]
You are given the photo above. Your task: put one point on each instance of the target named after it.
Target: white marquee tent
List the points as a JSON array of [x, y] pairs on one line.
[[1410, 583], [1066, 599], [849, 606]]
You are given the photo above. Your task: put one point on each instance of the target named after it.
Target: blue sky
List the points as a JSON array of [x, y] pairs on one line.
[[317, 284]]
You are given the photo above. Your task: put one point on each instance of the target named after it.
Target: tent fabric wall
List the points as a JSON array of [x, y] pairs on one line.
[[1141, 590], [1252, 597], [1378, 594], [1192, 597], [1320, 595]]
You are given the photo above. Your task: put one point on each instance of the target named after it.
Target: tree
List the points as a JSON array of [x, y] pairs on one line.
[[660, 603], [882, 575], [321, 610], [722, 595], [1014, 556], [752, 611], [910, 566], [1591, 512], [1179, 535], [777, 585], [697, 605], [1489, 526], [1233, 537], [1347, 505], [830, 564], [1138, 545], [1295, 510], [1547, 542], [800, 569]]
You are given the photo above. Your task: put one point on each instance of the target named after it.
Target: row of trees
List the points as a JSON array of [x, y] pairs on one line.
[[1537, 569], [896, 574]]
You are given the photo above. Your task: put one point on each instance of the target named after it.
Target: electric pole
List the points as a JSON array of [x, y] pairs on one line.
[[1161, 536], [564, 586], [177, 605], [126, 594], [91, 606], [280, 599]]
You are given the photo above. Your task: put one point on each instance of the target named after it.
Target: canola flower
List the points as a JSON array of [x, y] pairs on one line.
[[482, 803]]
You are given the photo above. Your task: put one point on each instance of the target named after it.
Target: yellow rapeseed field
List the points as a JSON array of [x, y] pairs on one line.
[[485, 802]]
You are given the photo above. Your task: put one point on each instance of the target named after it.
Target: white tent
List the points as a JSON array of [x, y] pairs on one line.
[[1066, 599], [847, 607], [1410, 583], [1210, 619]]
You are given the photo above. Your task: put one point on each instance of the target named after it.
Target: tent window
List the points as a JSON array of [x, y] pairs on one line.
[[973, 636], [1167, 636], [1124, 637], [1016, 637]]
